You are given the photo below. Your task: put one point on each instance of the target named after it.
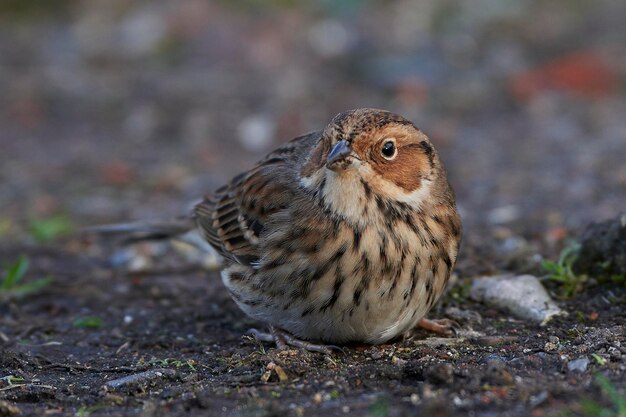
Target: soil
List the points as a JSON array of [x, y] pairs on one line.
[[182, 342]]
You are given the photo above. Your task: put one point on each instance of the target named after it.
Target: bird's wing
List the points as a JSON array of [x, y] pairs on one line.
[[233, 218]]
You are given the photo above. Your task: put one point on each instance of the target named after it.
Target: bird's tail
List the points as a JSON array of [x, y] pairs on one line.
[[144, 230], [182, 232]]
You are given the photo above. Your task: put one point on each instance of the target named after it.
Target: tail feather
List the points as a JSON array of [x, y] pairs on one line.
[[144, 230]]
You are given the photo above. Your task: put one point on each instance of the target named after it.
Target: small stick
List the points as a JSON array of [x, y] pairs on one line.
[[139, 378]]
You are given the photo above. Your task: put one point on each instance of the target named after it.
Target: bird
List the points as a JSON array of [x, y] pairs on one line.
[[348, 234]]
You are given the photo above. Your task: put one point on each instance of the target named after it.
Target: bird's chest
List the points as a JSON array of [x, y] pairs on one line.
[[336, 281], [373, 291], [369, 267]]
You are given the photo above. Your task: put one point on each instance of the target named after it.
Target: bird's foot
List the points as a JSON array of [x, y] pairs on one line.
[[283, 340], [445, 327]]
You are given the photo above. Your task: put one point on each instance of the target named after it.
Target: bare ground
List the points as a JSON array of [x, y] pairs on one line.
[[181, 341]]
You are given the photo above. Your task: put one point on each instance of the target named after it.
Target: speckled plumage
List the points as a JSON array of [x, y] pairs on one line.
[[332, 240]]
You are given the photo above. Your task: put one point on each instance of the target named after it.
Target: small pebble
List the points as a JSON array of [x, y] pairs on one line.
[[578, 365], [550, 347], [398, 361]]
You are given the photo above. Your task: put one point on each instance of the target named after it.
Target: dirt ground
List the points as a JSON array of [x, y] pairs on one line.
[[124, 110], [181, 328]]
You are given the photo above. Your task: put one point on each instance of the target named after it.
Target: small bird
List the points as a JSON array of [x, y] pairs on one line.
[[347, 234]]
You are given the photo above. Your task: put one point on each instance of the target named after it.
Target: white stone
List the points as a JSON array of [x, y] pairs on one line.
[[523, 296]]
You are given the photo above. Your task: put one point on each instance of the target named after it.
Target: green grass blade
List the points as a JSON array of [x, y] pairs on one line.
[[31, 287], [15, 273]]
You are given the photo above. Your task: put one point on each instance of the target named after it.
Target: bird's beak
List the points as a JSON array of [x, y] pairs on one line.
[[338, 154]]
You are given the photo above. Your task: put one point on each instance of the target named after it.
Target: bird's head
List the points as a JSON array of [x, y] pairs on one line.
[[368, 153]]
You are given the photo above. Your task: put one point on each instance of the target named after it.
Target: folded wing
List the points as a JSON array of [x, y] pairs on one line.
[[234, 218]]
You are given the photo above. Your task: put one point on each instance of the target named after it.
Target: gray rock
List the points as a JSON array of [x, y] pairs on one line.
[[578, 365], [603, 249], [523, 296]]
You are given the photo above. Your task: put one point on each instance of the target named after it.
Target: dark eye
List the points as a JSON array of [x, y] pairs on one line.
[[389, 149]]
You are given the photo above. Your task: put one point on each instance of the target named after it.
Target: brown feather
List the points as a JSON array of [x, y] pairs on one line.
[[233, 218]]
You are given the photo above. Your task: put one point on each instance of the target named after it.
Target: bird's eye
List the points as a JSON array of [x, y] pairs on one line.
[[389, 150]]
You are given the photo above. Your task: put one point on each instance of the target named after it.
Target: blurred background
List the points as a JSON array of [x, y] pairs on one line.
[[118, 110]]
